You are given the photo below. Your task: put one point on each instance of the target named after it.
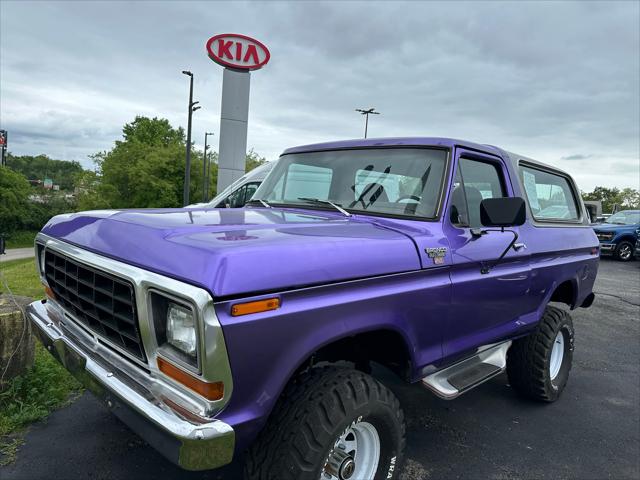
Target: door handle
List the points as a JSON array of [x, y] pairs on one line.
[[519, 246]]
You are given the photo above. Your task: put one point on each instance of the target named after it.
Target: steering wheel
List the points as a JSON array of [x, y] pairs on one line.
[[408, 197]]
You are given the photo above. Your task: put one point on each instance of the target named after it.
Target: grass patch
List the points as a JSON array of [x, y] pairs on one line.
[[21, 239], [22, 277], [9, 450], [33, 395], [47, 386]]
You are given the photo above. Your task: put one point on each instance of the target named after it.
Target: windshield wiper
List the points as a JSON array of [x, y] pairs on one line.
[[326, 202], [264, 204]]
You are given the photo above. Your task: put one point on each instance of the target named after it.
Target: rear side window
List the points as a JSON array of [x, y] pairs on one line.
[[549, 195]]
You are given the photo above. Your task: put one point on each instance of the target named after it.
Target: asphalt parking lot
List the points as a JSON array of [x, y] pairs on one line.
[[592, 432]]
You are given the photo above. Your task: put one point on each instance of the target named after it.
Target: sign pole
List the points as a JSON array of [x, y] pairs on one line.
[[234, 116], [239, 55]]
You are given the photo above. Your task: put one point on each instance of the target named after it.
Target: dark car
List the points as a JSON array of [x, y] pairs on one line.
[[618, 236]]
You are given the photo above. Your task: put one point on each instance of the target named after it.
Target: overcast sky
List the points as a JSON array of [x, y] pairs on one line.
[[558, 82]]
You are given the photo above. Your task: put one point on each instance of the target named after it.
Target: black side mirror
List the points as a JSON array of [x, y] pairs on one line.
[[502, 212]]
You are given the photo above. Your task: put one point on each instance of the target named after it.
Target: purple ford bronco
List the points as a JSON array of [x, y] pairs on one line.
[[212, 332]]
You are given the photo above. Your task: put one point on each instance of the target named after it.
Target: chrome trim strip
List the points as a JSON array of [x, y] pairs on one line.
[[214, 364]]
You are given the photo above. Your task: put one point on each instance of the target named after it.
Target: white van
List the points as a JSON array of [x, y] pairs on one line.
[[240, 191]]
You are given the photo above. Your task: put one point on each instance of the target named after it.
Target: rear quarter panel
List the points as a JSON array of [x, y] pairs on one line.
[[559, 252]]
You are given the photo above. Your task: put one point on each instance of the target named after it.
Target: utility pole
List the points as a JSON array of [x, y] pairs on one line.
[[206, 167], [187, 168], [366, 113]]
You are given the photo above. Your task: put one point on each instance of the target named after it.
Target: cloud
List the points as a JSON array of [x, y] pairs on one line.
[[577, 156], [543, 79]]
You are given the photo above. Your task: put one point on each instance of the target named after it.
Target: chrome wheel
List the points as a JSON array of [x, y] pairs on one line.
[[557, 355], [355, 455], [625, 252]]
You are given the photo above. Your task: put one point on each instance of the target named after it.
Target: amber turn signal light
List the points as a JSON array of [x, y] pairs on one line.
[[255, 307], [210, 391]]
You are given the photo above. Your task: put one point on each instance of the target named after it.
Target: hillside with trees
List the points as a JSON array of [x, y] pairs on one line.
[[62, 172]]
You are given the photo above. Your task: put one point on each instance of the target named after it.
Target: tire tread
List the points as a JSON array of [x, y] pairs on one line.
[[527, 357], [306, 406]]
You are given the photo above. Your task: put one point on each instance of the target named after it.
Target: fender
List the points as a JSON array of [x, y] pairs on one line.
[[266, 349]]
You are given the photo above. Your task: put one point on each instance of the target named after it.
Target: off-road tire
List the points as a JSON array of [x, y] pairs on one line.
[[311, 415], [529, 358], [619, 251]]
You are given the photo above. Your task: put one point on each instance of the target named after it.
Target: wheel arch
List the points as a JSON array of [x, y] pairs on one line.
[[383, 345], [626, 237], [566, 292]]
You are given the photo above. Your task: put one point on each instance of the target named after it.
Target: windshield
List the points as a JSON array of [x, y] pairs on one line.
[[625, 218], [393, 181]]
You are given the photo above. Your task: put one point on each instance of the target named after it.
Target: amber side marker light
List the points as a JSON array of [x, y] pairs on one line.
[[255, 307], [210, 391], [49, 292]]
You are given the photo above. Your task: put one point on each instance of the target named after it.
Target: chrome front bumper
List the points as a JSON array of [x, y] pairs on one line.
[[195, 443], [607, 248]]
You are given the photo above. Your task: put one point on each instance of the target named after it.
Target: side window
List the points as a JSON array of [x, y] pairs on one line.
[[474, 182], [251, 189], [549, 195], [236, 199]]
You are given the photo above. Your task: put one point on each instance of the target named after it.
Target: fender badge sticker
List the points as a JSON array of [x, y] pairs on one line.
[[437, 254]]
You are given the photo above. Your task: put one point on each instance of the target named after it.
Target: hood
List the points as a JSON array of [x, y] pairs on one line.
[[238, 251], [613, 227]]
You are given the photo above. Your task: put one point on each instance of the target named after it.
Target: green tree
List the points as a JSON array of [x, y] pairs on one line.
[[152, 131], [611, 197], [253, 160], [14, 200], [145, 169], [630, 198]]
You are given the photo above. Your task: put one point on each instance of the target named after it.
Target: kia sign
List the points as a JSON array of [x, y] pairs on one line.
[[237, 51]]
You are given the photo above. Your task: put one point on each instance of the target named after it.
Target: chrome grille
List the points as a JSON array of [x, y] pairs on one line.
[[102, 303], [604, 235]]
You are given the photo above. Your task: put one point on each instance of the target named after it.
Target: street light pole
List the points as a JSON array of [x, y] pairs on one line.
[[187, 168], [205, 170], [366, 113]]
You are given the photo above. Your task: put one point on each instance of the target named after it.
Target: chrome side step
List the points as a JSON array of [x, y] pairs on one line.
[[453, 381]]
